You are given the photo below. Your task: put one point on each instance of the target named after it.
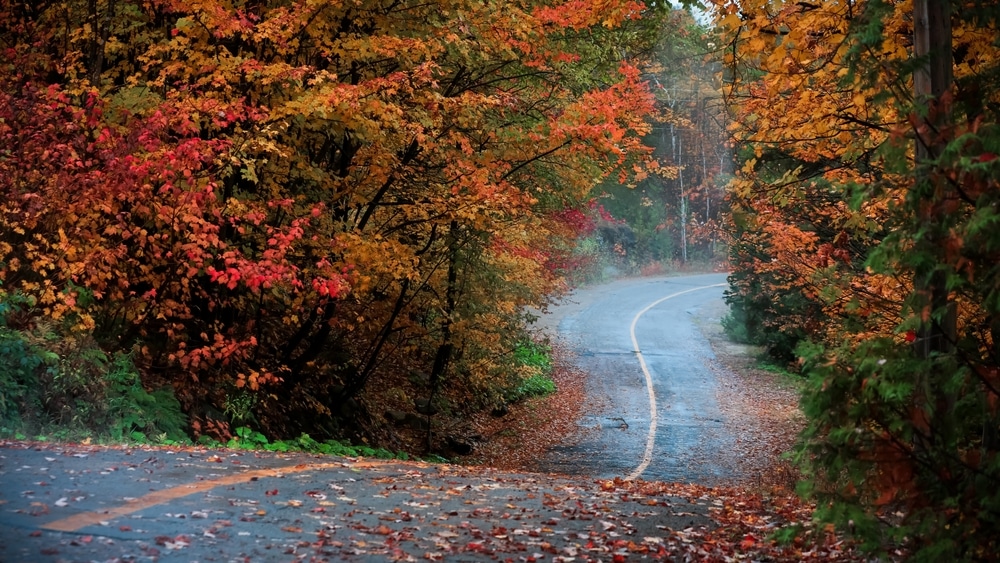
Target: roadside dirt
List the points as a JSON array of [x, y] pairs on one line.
[[516, 440], [761, 407]]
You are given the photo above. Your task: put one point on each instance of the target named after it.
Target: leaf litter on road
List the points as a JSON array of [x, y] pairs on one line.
[[409, 511]]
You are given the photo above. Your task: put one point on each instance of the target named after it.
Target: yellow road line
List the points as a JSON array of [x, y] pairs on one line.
[[84, 519], [647, 456]]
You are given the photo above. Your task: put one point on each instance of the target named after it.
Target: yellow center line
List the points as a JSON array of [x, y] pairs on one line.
[[647, 456], [84, 519]]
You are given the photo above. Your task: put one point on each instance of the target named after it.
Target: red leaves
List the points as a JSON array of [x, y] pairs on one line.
[[580, 14], [331, 288], [212, 210]]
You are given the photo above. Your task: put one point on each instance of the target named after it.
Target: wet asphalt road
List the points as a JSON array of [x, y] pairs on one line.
[[88, 503], [92, 503], [595, 324]]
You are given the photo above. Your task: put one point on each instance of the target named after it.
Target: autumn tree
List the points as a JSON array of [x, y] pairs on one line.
[[279, 204], [676, 214], [868, 192]]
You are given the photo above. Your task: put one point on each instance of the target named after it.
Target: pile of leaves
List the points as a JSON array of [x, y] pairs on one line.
[[772, 526]]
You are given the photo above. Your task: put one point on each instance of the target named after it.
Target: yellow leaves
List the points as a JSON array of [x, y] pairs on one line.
[[859, 100], [758, 45], [255, 379], [731, 22], [339, 143]]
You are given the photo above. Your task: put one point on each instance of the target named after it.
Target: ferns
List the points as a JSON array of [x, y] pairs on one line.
[[54, 375]]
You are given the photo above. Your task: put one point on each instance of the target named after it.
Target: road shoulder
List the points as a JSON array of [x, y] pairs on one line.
[[760, 407]]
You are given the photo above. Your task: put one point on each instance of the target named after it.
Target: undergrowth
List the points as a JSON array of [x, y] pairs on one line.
[[247, 438], [535, 361], [55, 379], [56, 383]]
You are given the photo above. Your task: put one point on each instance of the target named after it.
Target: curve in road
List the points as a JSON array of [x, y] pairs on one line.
[[650, 407], [647, 456]]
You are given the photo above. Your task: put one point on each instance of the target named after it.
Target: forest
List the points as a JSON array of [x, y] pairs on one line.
[[864, 253], [295, 217], [282, 219]]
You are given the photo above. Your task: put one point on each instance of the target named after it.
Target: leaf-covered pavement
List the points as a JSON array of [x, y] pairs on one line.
[[87, 503], [90, 503]]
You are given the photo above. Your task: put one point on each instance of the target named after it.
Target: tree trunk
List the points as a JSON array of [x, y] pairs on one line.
[[680, 178], [932, 81], [446, 347]]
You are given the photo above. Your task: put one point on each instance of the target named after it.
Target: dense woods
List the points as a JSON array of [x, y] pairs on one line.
[[290, 217], [865, 252], [297, 216]]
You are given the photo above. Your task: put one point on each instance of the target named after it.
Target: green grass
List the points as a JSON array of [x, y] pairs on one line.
[[248, 439], [538, 358], [787, 377]]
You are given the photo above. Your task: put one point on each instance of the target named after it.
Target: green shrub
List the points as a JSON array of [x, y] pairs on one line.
[[534, 386], [734, 325], [536, 360], [18, 364], [532, 354], [249, 439], [55, 378]]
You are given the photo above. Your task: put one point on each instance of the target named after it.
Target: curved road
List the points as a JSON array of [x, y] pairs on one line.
[[83, 503], [613, 332]]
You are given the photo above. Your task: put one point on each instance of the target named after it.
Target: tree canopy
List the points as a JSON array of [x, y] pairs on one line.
[[284, 203], [865, 213]]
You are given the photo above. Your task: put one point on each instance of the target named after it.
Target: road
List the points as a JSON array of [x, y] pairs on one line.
[[636, 338], [97, 503], [90, 503]]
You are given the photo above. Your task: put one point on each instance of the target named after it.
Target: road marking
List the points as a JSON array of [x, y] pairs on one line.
[[84, 519], [647, 456]]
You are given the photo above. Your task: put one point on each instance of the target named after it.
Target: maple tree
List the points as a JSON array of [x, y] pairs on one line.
[[676, 214], [277, 204], [863, 212]]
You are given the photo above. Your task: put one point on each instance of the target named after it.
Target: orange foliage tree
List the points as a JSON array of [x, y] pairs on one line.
[[676, 214], [862, 209], [289, 201]]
